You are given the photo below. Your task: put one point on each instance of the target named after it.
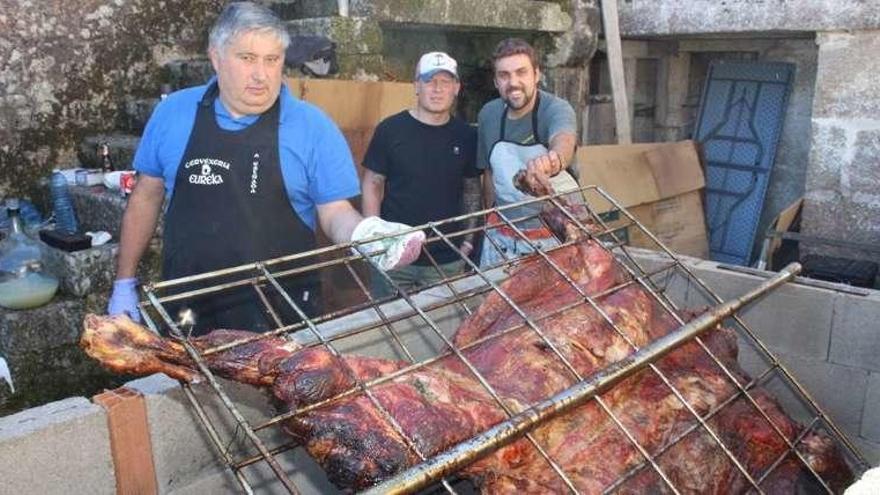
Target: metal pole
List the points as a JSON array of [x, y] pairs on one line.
[[422, 475]]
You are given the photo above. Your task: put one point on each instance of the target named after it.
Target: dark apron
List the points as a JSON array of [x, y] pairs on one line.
[[229, 208], [509, 157]]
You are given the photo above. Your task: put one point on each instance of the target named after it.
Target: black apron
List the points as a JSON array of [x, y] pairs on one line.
[[506, 158], [230, 207]]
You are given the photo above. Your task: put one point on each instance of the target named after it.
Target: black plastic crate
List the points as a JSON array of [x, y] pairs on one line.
[[858, 273]]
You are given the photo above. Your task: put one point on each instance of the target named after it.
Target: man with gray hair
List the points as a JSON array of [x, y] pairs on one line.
[[248, 173]]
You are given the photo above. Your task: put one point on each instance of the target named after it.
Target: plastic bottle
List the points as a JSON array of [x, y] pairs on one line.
[[24, 281], [62, 206]]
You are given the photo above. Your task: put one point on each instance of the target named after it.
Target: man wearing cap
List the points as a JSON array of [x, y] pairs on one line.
[[525, 129], [420, 168], [248, 173]]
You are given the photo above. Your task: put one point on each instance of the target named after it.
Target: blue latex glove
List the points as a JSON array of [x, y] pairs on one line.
[[124, 299]]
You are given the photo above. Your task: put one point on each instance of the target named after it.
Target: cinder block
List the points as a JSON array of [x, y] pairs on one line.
[[793, 317], [187, 462], [35, 330], [855, 331], [59, 448], [871, 417], [870, 450], [839, 390]]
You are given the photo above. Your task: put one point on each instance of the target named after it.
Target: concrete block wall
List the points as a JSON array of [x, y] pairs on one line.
[[59, 448], [805, 327], [828, 340]]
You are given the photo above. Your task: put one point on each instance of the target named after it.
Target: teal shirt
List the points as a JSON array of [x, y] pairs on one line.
[[555, 115]]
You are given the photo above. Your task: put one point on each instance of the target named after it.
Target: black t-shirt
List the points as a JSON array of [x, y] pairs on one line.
[[424, 168]]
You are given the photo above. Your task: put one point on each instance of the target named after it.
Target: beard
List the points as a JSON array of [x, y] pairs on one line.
[[526, 99]]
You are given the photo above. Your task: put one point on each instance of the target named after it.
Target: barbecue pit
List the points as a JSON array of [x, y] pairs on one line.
[[384, 328]]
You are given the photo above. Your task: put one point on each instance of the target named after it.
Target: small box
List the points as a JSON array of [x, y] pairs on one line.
[[66, 242]]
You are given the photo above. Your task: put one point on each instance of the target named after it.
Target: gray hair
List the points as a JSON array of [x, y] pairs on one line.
[[242, 17]]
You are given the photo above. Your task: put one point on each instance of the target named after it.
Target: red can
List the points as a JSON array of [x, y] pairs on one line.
[[127, 181]]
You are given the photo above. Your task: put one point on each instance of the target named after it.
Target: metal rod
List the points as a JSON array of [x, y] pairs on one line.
[[731, 376], [227, 402], [652, 367], [209, 427], [462, 454], [470, 367]]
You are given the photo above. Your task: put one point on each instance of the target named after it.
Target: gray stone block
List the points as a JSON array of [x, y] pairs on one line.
[[828, 155], [184, 73], [870, 450], [498, 14], [182, 450], [122, 148], [871, 417], [845, 85], [676, 18], [862, 173], [138, 113], [85, 272], [59, 448], [794, 317], [855, 331], [839, 390], [36, 330], [297, 9]]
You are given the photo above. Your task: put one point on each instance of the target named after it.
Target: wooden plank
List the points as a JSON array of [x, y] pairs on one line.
[[129, 441], [615, 68]]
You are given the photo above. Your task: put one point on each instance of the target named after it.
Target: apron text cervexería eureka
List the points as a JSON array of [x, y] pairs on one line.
[[229, 208]]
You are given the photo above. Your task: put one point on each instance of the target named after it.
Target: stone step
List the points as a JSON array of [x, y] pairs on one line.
[[122, 148], [184, 73], [300, 9]]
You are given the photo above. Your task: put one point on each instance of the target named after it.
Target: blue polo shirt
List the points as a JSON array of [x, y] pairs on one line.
[[316, 162]]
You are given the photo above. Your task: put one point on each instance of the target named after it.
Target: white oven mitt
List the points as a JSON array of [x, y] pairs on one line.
[[400, 250]]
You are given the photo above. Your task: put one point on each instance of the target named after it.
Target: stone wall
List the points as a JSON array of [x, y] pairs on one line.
[[68, 69], [674, 17], [842, 199]]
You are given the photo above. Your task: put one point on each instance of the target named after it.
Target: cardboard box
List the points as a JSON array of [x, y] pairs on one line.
[[356, 107], [660, 184]]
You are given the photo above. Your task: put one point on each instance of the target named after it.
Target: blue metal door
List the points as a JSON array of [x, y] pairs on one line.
[[739, 123]]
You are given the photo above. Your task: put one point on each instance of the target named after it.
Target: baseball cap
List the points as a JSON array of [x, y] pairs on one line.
[[434, 62]]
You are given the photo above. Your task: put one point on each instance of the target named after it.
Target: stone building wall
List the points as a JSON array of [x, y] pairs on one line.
[[675, 17], [68, 68], [843, 178], [829, 152]]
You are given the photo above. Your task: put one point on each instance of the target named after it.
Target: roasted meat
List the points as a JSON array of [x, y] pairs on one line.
[[441, 404]]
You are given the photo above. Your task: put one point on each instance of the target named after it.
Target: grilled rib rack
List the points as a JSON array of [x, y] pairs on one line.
[[360, 321]]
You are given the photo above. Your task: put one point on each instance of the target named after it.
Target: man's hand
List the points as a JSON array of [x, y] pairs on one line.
[[124, 299], [400, 250], [466, 248], [535, 178]]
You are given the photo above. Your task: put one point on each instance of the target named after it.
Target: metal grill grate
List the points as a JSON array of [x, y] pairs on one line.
[[387, 323]]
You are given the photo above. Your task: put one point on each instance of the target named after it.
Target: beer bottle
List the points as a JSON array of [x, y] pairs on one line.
[[106, 163]]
